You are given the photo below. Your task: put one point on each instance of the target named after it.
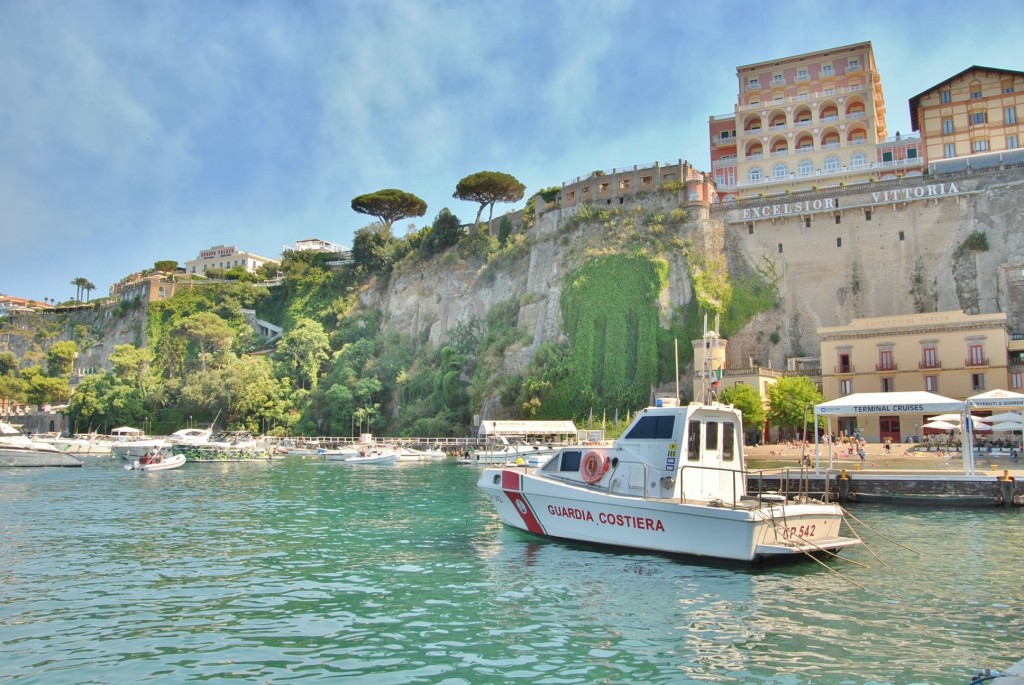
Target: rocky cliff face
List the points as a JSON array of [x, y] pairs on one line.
[[870, 250]]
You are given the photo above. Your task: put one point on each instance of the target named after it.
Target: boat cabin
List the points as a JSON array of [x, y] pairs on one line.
[[692, 453]]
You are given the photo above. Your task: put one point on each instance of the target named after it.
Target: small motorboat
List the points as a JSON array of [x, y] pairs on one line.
[[338, 453], [377, 457], [157, 459]]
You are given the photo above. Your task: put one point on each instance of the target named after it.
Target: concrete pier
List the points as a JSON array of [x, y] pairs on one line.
[[920, 488]]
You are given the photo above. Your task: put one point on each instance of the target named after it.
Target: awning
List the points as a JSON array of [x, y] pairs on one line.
[[527, 427], [993, 399], [915, 402]]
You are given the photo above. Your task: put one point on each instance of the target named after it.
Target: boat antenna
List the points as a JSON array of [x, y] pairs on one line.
[[676, 341]]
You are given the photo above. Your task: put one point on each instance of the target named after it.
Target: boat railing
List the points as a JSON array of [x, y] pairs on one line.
[[736, 491], [785, 478]]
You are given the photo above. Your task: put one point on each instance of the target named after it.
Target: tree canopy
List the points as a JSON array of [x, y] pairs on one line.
[[792, 400], [389, 205], [748, 400], [166, 265], [444, 233], [487, 188], [60, 359], [302, 351]]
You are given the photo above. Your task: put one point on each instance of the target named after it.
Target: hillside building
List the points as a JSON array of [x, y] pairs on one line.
[[973, 112], [226, 257], [805, 122], [316, 245], [615, 186]]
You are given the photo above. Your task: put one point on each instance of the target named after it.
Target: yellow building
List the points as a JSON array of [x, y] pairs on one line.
[[953, 354], [975, 111], [808, 121]]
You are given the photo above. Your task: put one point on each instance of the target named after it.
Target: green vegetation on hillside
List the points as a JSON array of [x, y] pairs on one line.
[[336, 370]]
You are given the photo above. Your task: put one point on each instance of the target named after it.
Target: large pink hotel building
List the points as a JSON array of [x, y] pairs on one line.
[[808, 121]]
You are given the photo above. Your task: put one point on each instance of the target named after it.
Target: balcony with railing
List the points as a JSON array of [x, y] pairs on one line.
[[929, 364], [828, 172], [976, 362], [886, 366], [829, 92], [844, 369]]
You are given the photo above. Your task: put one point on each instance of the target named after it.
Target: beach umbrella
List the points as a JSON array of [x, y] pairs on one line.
[[957, 418], [942, 425]]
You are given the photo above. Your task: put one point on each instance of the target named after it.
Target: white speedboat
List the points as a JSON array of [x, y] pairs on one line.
[[159, 459], [338, 453], [83, 443], [17, 449], [130, 450], [374, 457], [406, 453], [186, 437], [675, 483], [508, 453]]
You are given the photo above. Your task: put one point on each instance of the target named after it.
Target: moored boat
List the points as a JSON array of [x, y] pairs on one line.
[[645, 492], [17, 449], [30, 457], [92, 444], [378, 457], [507, 452], [338, 453], [675, 482]]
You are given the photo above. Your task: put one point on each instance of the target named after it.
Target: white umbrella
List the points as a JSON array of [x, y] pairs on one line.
[[957, 418], [942, 425], [1008, 416], [1008, 426]]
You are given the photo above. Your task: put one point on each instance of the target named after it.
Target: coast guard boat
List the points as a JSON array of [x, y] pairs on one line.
[[674, 483]]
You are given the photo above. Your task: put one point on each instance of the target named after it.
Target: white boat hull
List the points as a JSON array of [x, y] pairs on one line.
[[342, 454], [385, 459], [592, 515], [167, 464], [130, 451], [28, 457]]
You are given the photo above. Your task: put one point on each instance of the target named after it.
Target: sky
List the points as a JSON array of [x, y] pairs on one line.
[[133, 131]]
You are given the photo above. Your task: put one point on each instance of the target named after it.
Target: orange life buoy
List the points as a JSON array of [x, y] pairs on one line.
[[593, 466]]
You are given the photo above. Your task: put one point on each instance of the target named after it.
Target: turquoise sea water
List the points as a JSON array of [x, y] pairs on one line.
[[305, 571]]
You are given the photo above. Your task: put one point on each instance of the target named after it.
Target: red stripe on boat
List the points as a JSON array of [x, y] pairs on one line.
[[511, 483]]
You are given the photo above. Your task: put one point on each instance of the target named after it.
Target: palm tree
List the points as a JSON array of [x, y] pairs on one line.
[[88, 287], [79, 283]]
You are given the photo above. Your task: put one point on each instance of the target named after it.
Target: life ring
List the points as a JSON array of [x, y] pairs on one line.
[[593, 466]]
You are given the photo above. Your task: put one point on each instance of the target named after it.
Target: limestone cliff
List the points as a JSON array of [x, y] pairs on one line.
[[873, 249]]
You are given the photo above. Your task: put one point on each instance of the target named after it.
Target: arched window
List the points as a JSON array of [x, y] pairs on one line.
[[754, 174], [780, 170], [831, 163], [805, 168], [858, 160]]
